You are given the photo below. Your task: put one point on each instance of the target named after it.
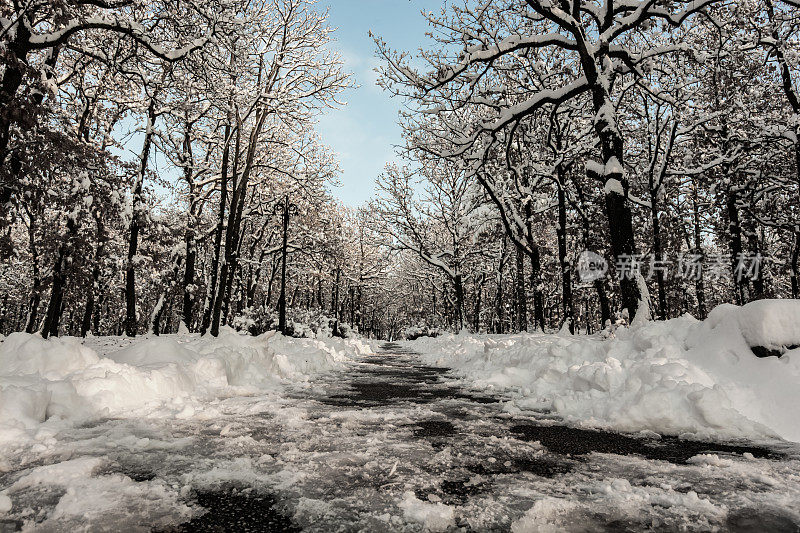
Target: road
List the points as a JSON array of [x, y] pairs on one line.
[[389, 444]]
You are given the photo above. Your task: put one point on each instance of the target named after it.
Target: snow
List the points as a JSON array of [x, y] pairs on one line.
[[613, 185], [682, 376], [336, 465], [89, 498], [709, 459], [643, 313], [769, 323], [593, 167], [543, 516], [552, 514], [60, 382], [613, 167], [432, 516]]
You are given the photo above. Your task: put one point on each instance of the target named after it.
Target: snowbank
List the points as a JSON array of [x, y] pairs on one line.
[[60, 381], [674, 377]]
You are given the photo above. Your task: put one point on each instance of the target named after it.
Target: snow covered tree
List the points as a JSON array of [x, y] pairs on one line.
[[36, 33], [599, 44]]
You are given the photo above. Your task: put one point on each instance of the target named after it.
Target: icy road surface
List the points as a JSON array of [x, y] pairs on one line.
[[388, 445]]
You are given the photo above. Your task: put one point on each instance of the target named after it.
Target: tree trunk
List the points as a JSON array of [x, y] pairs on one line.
[[536, 286], [735, 244], [335, 303], [235, 220], [17, 57], [605, 305], [536, 275], [478, 302], [86, 323], [458, 310], [36, 292], [352, 307], [189, 238], [618, 211], [222, 303], [273, 273], [223, 198], [521, 296], [599, 284], [755, 248], [96, 321], [164, 319], [359, 310], [253, 280], [499, 307], [219, 298], [658, 253], [4, 315], [621, 233], [56, 305], [568, 313], [136, 216], [699, 282], [284, 254], [188, 274], [155, 316]]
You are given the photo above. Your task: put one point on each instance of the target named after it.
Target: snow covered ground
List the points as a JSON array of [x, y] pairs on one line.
[[682, 376], [135, 436], [47, 385], [385, 444]]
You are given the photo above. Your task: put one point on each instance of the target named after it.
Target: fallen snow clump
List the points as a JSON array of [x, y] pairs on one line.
[[431, 516]]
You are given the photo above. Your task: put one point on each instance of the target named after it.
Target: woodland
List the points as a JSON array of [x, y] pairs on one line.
[[160, 170]]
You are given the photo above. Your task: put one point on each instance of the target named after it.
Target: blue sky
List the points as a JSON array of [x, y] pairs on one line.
[[364, 132]]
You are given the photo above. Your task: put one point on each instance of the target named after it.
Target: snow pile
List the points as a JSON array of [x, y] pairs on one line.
[[414, 332], [674, 377], [62, 380]]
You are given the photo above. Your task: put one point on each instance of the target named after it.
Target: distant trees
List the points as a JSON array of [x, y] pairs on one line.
[[440, 227], [517, 59]]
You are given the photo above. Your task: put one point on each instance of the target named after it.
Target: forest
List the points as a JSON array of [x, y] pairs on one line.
[[160, 170]]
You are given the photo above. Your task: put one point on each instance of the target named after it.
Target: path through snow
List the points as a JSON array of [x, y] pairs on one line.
[[389, 444]]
